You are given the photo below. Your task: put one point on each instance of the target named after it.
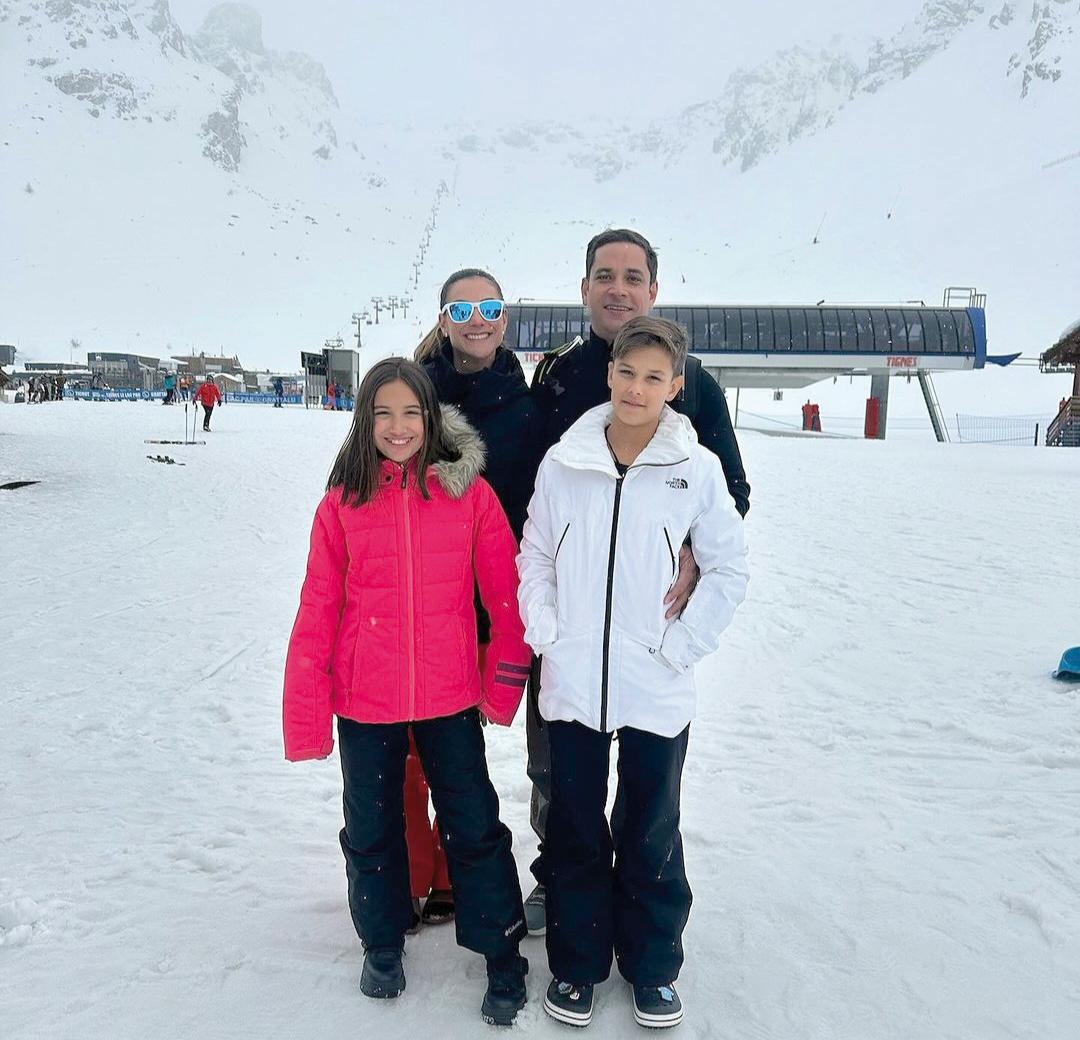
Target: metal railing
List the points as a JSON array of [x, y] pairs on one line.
[[963, 296], [1064, 431]]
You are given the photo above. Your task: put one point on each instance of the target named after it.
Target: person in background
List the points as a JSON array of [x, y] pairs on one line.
[[208, 395]]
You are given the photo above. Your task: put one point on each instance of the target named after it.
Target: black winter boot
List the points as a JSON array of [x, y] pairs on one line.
[[383, 975], [505, 995]]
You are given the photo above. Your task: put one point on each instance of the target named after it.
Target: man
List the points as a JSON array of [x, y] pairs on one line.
[[279, 390], [620, 283]]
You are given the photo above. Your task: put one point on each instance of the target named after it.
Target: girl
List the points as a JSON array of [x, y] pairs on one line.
[[385, 639], [471, 368]]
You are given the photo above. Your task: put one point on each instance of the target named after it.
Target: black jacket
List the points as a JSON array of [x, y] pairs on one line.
[[573, 378], [497, 403]]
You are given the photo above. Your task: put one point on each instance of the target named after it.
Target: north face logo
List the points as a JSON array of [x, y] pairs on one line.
[[678, 483]]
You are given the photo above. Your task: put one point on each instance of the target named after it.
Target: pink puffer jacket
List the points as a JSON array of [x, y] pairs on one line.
[[386, 630]]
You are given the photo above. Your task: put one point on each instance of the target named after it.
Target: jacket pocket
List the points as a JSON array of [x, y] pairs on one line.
[[562, 538], [671, 554], [657, 658]]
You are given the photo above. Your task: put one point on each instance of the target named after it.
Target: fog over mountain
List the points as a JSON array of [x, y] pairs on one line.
[[171, 186]]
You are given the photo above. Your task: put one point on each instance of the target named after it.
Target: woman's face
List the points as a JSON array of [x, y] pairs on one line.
[[476, 338]]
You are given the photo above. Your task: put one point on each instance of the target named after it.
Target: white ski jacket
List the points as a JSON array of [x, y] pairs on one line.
[[599, 554]]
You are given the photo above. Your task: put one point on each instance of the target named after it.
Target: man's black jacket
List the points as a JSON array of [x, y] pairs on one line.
[[573, 378]]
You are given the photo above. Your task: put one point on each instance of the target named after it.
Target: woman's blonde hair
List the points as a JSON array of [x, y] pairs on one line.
[[429, 345], [434, 340]]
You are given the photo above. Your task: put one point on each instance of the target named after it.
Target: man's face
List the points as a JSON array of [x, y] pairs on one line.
[[617, 288]]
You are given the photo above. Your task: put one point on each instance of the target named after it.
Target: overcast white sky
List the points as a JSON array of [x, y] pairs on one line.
[[419, 59]]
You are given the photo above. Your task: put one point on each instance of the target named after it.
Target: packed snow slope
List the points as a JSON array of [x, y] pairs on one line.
[[879, 801]]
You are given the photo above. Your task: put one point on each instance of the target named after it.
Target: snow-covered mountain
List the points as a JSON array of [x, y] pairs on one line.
[[168, 190], [801, 91]]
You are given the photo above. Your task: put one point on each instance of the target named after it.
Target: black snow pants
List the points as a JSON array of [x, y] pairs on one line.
[[487, 896], [637, 908]]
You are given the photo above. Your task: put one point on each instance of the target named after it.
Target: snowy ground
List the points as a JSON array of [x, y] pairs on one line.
[[880, 803]]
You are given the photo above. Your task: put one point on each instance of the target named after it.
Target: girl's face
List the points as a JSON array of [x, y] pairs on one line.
[[398, 422], [476, 338]]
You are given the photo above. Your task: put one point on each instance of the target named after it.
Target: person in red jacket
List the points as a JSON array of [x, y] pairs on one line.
[[385, 639], [208, 395]]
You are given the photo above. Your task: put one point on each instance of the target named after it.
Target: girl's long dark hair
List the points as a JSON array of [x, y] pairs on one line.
[[356, 468], [434, 340]]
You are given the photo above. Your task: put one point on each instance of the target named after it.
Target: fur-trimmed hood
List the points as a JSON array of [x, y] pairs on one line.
[[457, 475]]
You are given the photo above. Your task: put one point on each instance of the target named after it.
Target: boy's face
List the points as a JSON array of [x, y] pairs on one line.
[[642, 382]]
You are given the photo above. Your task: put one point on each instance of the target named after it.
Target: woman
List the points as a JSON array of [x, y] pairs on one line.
[[471, 368]]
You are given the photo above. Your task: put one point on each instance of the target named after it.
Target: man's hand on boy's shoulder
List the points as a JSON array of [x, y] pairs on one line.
[[679, 593]]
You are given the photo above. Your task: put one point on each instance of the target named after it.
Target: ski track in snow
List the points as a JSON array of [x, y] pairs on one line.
[[879, 802]]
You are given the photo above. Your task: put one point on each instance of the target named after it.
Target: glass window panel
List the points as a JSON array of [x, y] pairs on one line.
[[931, 332], [849, 331], [782, 330], [732, 329], [882, 338], [799, 341], [765, 330], [715, 318], [699, 329], [815, 334], [684, 318], [864, 330], [916, 339], [949, 341], [558, 327], [542, 330], [967, 332], [749, 328], [830, 321], [526, 319], [511, 337], [897, 332]]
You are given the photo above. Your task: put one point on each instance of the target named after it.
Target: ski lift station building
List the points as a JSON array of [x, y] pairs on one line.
[[780, 346]]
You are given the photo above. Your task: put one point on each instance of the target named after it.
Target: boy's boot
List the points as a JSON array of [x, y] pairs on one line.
[[383, 975], [657, 1007], [569, 1003], [536, 911], [505, 995]]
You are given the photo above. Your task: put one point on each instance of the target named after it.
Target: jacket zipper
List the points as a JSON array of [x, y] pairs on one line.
[[607, 608], [409, 592]]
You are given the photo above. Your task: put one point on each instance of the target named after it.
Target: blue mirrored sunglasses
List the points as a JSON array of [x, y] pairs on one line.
[[460, 311]]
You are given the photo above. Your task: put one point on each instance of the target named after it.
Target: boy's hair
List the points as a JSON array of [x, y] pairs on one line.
[[435, 339], [652, 332], [356, 468], [606, 238]]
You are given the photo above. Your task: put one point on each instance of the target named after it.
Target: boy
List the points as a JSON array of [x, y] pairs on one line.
[[614, 501]]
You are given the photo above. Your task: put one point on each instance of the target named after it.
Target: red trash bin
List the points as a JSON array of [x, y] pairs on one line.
[[872, 426]]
